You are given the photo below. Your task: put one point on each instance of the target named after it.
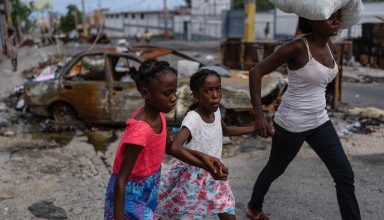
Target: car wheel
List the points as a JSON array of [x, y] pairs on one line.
[[62, 112]]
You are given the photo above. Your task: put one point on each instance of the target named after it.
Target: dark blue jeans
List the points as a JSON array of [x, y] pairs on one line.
[[326, 143]]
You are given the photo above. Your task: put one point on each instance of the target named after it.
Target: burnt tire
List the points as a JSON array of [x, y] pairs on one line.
[[63, 113]]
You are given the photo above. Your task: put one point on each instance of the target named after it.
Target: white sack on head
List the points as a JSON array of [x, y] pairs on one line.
[[323, 9], [351, 13]]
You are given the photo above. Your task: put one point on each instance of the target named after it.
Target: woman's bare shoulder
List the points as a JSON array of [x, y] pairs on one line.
[[296, 45], [291, 49]]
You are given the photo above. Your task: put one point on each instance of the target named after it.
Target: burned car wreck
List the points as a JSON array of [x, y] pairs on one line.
[[96, 87]]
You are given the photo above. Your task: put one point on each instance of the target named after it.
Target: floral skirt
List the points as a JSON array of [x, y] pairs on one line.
[[140, 197], [189, 192]]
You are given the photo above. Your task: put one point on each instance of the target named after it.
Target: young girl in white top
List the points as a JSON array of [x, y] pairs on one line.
[[189, 192]]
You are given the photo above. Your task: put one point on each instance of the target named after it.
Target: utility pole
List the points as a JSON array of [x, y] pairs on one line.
[[74, 13], [85, 31], [165, 15], [249, 23], [8, 11], [274, 22], [214, 8]]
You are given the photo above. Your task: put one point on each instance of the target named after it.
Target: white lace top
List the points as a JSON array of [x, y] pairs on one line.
[[206, 137]]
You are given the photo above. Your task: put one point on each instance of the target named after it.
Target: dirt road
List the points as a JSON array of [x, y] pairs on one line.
[[42, 178]]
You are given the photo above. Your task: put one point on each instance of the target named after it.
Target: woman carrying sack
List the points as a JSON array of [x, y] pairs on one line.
[[302, 115]]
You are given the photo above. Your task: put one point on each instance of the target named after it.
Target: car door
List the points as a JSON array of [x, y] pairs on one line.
[[84, 85], [124, 97]]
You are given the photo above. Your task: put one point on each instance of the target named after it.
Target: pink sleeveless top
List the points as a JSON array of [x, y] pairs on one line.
[[140, 133], [303, 104]]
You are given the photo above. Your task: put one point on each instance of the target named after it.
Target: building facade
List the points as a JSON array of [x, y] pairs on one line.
[[206, 18], [213, 19], [131, 23]]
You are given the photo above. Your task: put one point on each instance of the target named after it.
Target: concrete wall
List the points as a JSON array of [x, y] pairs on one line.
[[128, 24], [206, 18], [209, 7]]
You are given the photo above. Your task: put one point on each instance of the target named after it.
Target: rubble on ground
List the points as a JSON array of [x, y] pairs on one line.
[[362, 74], [368, 112]]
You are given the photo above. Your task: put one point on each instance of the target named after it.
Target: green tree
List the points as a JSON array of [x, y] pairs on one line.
[[188, 3], [20, 11], [68, 21]]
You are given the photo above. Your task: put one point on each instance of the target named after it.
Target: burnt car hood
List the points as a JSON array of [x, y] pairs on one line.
[[146, 52], [238, 80]]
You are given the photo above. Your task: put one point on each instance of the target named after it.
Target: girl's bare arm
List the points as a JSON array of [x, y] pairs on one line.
[[236, 130], [130, 157], [177, 150], [192, 157]]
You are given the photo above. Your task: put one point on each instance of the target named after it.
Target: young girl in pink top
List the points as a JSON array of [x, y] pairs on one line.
[[133, 185]]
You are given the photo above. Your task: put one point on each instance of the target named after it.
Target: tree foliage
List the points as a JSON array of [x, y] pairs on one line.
[[188, 3], [68, 21], [20, 11]]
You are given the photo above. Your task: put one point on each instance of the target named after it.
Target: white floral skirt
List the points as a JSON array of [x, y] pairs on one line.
[[189, 192]]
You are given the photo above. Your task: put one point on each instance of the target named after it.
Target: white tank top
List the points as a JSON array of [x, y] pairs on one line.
[[303, 104]]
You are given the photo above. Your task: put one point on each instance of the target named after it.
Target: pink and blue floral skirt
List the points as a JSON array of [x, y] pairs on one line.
[[189, 192], [140, 197]]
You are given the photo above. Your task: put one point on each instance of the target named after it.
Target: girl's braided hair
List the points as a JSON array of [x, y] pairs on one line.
[[197, 80], [148, 71]]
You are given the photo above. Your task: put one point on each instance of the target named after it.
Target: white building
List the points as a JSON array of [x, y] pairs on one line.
[[206, 17], [130, 23], [286, 24]]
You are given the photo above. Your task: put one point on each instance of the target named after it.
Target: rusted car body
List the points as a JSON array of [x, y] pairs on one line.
[[96, 87]]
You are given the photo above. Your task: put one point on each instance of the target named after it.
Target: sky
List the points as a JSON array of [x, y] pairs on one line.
[[114, 5]]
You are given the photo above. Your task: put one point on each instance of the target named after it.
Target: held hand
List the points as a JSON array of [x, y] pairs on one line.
[[262, 127], [222, 174], [215, 167]]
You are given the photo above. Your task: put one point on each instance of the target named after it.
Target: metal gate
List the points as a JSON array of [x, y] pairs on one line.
[[233, 23]]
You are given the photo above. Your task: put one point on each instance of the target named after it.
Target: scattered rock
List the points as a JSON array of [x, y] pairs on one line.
[[9, 133], [46, 209], [196, 55], [226, 140], [230, 151], [20, 104], [77, 210], [209, 57], [100, 139], [3, 106], [17, 91]]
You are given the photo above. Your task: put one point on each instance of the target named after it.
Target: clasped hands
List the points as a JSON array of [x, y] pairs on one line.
[[215, 167]]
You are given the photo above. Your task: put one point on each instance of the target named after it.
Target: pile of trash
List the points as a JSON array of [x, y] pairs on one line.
[[362, 121], [362, 74], [41, 68]]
